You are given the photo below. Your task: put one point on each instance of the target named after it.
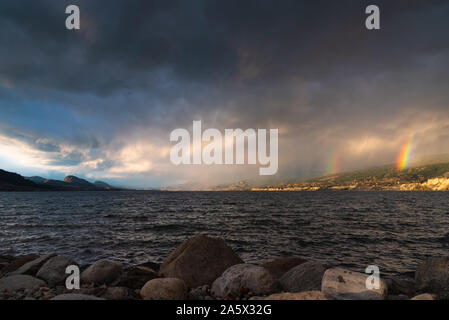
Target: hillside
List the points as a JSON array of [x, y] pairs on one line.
[[421, 176], [14, 182]]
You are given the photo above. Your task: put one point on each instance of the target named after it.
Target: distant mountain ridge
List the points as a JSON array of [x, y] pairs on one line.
[[14, 182], [427, 174]]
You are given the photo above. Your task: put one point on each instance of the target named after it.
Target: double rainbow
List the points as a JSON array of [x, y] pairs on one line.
[[404, 155], [333, 165]]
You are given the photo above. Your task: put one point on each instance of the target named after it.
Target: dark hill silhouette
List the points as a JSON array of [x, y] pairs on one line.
[[14, 182]]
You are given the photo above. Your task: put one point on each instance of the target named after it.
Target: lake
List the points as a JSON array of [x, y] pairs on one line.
[[394, 230]]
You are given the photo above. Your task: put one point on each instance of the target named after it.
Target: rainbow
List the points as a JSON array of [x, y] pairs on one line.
[[404, 155], [333, 165]]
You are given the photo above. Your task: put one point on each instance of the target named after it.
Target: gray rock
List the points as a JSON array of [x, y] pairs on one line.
[[279, 267], [304, 277], [243, 279], [20, 282], [102, 272], [342, 284], [53, 271], [32, 267], [432, 276], [164, 289], [199, 261], [74, 296]]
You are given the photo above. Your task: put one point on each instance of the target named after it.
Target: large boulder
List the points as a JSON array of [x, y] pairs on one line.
[[308, 295], [20, 282], [432, 276], [304, 277], [77, 297], [278, 267], [164, 289], [102, 272], [342, 284], [32, 267], [17, 263], [243, 279], [136, 277], [53, 271], [199, 261]]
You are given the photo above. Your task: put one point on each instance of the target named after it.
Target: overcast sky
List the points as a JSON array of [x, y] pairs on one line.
[[101, 102]]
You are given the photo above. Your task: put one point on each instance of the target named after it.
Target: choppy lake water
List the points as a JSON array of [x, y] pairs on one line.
[[394, 230]]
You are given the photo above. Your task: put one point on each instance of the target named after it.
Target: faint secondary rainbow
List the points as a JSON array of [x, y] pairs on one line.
[[404, 155], [334, 163]]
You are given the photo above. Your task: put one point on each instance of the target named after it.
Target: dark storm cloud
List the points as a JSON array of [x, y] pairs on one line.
[[123, 44], [138, 69]]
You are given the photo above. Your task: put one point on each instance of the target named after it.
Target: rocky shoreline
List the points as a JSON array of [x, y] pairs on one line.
[[205, 268]]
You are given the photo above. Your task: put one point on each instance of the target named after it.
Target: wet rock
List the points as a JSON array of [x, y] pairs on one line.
[[279, 267], [102, 272], [199, 261], [74, 296], [243, 279], [425, 296], [304, 277], [164, 289], [308, 295], [343, 284], [17, 263], [32, 267], [136, 277], [433, 276], [53, 271], [20, 282]]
